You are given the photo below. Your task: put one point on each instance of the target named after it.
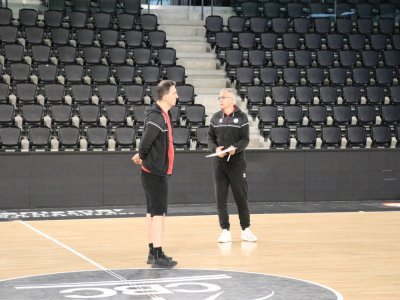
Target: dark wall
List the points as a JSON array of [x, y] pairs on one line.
[[92, 179]]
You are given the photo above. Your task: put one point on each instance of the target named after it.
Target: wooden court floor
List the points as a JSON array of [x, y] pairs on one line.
[[356, 254]]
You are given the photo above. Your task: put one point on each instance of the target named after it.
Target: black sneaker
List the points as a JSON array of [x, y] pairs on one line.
[[163, 262], [151, 259]]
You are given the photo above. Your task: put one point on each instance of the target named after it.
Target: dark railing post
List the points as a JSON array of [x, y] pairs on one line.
[[202, 9], [334, 9]]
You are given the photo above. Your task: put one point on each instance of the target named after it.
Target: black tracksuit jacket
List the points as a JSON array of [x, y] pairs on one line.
[[229, 130], [153, 148]]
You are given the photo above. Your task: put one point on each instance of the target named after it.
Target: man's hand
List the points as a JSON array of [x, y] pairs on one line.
[[219, 149], [136, 159], [233, 151]]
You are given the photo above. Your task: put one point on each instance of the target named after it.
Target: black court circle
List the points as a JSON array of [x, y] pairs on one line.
[[176, 284]]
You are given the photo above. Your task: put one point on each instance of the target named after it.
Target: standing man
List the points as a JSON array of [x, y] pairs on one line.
[[156, 157], [229, 129]]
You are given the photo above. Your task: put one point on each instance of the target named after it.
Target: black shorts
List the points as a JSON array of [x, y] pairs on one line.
[[156, 190]]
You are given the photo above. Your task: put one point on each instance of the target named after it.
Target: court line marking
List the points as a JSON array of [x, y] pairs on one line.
[[337, 294], [340, 297], [137, 281], [89, 260]]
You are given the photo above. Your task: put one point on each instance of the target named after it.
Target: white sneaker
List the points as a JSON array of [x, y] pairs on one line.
[[248, 236], [225, 236]]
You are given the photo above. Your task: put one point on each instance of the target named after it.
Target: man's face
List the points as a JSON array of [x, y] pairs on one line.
[[225, 100], [171, 97]]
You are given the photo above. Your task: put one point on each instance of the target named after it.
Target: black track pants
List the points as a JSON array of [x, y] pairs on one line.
[[233, 174]]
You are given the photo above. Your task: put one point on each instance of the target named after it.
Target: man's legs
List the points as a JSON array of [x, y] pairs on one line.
[[237, 176], [221, 184], [157, 230], [156, 189], [148, 228], [155, 233]]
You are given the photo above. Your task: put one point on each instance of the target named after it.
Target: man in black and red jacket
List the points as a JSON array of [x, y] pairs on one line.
[[229, 130], [156, 157]]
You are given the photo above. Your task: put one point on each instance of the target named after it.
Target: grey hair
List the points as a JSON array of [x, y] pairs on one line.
[[230, 91]]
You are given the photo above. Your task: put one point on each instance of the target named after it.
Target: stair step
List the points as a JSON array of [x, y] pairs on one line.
[[180, 19], [179, 38], [256, 142], [189, 46], [209, 81], [207, 76], [210, 102], [31, 2], [184, 30], [207, 90], [205, 73], [197, 55], [197, 63]]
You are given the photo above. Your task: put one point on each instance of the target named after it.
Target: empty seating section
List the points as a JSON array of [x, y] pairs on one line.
[[80, 77], [315, 73], [312, 74]]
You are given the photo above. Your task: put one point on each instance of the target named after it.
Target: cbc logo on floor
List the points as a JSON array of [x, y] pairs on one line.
[[175, 284]]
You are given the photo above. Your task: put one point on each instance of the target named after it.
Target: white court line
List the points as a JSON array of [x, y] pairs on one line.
[[337, 294], [91, 261], [138, 281]]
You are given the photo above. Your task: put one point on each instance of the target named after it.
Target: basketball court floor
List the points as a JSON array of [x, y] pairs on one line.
[[306, 252]]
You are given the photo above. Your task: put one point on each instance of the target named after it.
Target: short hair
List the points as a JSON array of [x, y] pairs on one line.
[[231, 91], [163, 88]]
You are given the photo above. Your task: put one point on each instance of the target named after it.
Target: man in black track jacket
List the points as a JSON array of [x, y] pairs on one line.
[[156, 157], [229, 129]]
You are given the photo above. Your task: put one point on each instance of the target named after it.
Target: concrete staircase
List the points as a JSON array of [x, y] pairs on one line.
[[186, 34]]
